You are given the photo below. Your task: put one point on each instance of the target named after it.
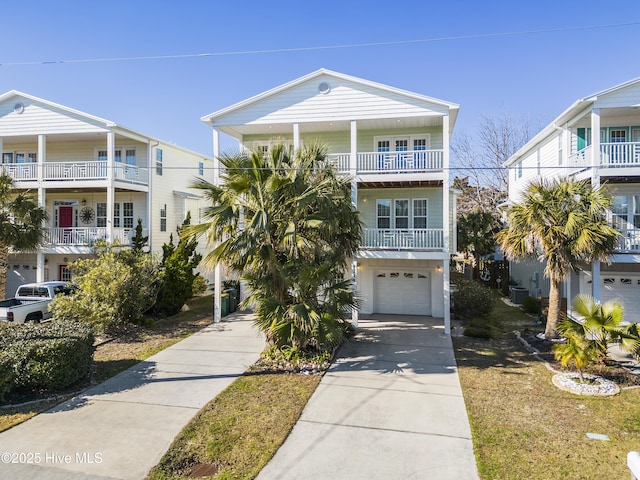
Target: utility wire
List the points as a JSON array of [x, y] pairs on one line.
[[322, 47]]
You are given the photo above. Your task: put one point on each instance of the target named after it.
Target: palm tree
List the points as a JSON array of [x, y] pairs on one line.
[[21, 224], [285, 224], [564, 223]]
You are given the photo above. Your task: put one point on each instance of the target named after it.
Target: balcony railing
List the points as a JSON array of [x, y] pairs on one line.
[[629, 241], [86, 236], [612, 155], [390, 162], [403, 239], [76, 171]]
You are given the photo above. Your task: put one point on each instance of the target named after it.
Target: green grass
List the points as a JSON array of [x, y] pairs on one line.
[[237, 433], [525, 428]]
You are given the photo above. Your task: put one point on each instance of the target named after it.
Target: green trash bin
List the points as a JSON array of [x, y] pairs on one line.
[[233, 299], [224, 304]]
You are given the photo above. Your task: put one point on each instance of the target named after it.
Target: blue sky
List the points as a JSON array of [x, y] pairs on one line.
[[534, 75]]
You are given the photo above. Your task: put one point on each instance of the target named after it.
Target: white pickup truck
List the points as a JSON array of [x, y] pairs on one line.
[[31, 303]]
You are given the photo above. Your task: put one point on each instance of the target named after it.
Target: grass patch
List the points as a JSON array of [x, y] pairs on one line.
[[117, 355], [525, 428], [237, 433]]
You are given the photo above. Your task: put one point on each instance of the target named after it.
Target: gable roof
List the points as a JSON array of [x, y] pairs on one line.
[[107, 124], [210, 118]]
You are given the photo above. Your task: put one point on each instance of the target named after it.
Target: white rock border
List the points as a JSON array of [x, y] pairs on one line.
[[601, 388]]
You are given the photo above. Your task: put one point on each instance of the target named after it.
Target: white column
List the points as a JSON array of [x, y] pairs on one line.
[[446, 224], [151, 174], [217, 291], [296, 137], [42, 200], [111, 153], [353, 163], [595, 182]]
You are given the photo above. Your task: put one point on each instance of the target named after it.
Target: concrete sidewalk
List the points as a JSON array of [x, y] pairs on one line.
[[121, 428], [390, 407]]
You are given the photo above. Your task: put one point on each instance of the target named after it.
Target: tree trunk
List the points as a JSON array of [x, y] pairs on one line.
[[4, 267], [554, 310]]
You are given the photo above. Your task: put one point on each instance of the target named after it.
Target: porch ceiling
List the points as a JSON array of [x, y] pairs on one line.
[[407, 183], [99, 137], [613, 117]]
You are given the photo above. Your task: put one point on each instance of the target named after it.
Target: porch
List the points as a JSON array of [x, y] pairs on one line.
[[408, 161], [612, 155], [75, 171], [87, 236], [403, 239]]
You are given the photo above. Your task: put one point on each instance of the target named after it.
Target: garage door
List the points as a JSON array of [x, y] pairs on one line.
[[406, 292], [625, 288]]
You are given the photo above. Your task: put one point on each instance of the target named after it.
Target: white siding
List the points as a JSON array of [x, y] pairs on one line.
[[39, 119], [624, 97], [345, 101]]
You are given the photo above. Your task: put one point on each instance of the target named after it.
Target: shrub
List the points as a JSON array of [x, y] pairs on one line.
[[530, 305], [472, 300], [199, 285], [49, 357]]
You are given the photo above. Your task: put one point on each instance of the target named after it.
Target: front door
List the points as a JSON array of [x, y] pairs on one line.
[[65, 221]]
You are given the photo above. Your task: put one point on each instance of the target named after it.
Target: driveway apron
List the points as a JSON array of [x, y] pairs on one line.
[[121, 428], [390, 407]]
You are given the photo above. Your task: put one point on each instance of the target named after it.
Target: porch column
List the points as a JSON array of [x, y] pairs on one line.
[[595, 182], [42, 200], [353, 167], [296, 137], [150, 175], [446, 224], [217, 291], [111, 153]]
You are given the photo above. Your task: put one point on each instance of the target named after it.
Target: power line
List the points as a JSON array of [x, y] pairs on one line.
[[321, 47]]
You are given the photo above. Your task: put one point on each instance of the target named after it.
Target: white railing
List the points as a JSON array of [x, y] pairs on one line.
[[76, 171], [399, 239], [131, 174], [64, 171], [87, 236], [629, 241], [612, 155], [622, 154], [390, 162], [22, 172]]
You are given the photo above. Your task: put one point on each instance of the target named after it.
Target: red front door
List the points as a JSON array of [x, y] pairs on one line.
[[65, 220]]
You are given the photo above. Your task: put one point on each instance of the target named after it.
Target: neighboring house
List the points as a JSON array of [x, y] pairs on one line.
[[95, 179], [395, 146], [596, 138]]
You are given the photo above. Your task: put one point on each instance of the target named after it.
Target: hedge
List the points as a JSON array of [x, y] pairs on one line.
[[50, 356]]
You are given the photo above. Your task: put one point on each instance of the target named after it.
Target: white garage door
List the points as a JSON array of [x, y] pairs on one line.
[[406, 292], [627, 289]]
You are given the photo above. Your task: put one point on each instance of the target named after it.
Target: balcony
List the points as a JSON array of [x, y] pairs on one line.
[[86, 236], [412, 161], [75, 172], [612, 155], [629, 241], [403, 239]]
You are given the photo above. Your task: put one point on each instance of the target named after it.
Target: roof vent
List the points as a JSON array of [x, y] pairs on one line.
[[18, 107], [324, 87]]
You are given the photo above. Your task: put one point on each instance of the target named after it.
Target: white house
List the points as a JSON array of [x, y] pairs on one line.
[[95, 179], [596, 138], [395, 146]]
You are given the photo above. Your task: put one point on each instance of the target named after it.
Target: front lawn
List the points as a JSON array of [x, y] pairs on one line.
[[525, 428]]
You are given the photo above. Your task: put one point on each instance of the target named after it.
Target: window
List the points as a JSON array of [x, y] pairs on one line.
[[130, 156], [127, 214], [559, 149], [383, 213], [402, 213], [65, 273], [618, 136], [26, 157], [7, 157], [619, 211], [420, 213], [201, 168], [383, 146], [419, 144], [116, 215], [101, 214], [519, 170], [159, 163], [636, 211], [163, 218]]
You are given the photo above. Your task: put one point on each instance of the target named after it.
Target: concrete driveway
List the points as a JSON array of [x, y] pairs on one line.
[[390, 407]]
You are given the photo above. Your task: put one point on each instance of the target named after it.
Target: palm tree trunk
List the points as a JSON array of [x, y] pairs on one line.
[[4, 267], [554, 310]]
